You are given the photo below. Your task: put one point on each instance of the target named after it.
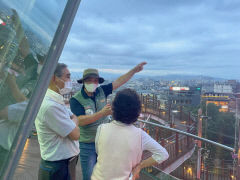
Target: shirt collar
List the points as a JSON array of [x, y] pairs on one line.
[[55, 96], [120, 123]]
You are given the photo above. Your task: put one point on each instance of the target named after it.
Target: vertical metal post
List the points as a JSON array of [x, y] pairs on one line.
[[169, 113], [188, 129], [206, 172], [146, 103], [181, 113], [159, 110], [156, 133], [199, 144], [172, 121], [177, 144]]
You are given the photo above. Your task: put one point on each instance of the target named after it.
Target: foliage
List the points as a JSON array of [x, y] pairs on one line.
[[219, 127]]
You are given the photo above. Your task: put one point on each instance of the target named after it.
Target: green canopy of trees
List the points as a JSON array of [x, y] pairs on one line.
[[218, 127]]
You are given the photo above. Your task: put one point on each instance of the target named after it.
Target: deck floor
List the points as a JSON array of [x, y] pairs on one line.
[[28, 165], [27, 168]]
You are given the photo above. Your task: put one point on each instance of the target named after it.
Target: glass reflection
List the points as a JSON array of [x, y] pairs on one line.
[[26, 31]]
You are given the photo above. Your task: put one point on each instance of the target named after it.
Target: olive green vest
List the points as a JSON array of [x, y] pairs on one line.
[[88, 132]]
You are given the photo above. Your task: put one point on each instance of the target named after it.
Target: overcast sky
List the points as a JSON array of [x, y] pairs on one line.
[[197, 37]]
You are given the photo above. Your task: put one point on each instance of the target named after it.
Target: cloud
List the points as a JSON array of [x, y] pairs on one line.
[[188, 37]]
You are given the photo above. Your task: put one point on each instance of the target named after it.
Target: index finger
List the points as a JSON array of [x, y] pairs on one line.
[[143, 63]]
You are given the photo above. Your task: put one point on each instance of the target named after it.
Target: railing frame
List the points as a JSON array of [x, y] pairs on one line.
[[190, 135]]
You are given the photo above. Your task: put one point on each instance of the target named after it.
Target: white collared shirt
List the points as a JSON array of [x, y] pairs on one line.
[[159, 153], [119, 147], [53, 124]]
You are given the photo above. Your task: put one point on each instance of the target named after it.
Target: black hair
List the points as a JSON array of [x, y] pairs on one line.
[[126, 106], [59, 69]]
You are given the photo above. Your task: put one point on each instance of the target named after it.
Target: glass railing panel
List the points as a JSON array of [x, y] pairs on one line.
[[27, 29], [213, 164], [190, 158]]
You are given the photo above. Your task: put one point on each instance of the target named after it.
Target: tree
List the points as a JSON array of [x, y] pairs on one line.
[[219, 128]]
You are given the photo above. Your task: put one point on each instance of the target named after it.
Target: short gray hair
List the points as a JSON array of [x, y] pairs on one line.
[[59, 69]]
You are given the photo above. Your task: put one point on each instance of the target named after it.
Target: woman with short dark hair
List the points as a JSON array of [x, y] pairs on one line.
[[120, 144], [126, 106]]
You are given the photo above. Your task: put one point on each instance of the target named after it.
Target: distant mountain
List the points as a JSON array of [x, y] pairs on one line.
[[186, 77], [110, 76]]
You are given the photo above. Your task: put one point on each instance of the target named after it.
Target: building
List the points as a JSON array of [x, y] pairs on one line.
[[221, 100], [184, 96], [223, 88]]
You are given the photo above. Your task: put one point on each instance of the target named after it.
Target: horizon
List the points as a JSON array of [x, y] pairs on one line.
[[181, 77]]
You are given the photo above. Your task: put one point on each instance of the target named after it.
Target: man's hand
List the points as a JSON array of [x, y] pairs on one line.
[[135, 172], [139, 67], [75, 133], [124, 78], [107, 110], [75, 119]]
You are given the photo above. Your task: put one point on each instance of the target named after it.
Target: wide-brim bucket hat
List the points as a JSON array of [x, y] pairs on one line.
[[87, 73]]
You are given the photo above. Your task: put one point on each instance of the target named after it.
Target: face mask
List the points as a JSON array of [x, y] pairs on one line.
[[39, 68], [91, 87], [67, 87]]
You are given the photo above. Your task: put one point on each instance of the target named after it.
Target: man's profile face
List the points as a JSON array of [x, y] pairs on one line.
[[66, 76], [91, 80]]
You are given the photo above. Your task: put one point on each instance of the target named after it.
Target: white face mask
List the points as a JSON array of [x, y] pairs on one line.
[[67, 88], [90, 87], [39, 68]]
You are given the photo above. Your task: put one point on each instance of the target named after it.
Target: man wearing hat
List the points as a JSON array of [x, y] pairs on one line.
[[90, 105]]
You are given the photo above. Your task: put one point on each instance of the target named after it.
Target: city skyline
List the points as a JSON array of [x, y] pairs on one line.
[[174, 37]]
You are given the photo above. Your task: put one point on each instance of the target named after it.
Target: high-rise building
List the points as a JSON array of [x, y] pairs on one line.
[[184, 96]]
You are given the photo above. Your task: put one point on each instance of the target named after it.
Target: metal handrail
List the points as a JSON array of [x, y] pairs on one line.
[[190, 135]]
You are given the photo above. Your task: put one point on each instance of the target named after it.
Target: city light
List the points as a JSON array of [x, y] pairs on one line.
[[179, 88], [189, 171]]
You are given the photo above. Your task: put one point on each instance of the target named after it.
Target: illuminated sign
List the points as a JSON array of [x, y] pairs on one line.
[[179, 88]]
